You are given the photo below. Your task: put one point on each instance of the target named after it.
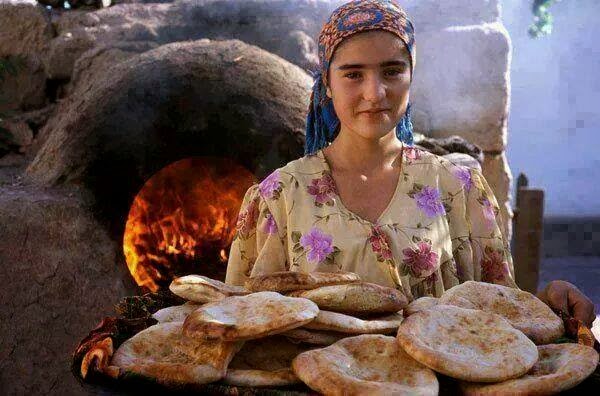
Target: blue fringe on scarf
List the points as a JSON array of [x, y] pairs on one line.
[[322, 122]]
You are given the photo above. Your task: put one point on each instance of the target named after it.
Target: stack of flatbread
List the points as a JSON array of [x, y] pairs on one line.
[[494, 340], [335, 334], [248, 336]]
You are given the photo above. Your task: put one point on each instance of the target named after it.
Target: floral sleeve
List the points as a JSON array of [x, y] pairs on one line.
[[257, 246], [480, 250]]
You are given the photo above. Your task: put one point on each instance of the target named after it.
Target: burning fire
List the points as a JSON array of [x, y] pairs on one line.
[[183, 220]]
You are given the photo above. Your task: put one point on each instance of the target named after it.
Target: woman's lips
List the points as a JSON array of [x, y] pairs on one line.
[[373, 114]]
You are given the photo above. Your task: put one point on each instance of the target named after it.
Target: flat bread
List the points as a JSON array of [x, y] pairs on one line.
[[560, 367], [285, 281], [333, 321], [176, 313], [315, 337], [522, 309], [201, 289], [355, 298], [161, 352], [420, 304], [264, 362], [249, 317], [261, 378], [364, 365], [467, 344]]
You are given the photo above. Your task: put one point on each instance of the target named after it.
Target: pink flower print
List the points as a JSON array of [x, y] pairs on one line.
[[428, 200], [420, 261], [493, 266], [463, 174], [270, 226], [412, 153], [270, 186], [379, 244], [323, 190], [318, 244], [247, 219]]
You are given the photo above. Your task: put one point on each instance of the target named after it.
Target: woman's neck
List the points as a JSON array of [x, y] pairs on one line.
[[353, 153]]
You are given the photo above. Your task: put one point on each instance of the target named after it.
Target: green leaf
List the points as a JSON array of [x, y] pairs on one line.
[[296, 235]]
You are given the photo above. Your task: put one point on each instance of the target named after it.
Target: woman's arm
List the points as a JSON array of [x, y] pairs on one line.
[[258, 246]]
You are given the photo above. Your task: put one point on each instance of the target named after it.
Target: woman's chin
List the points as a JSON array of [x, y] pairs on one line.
[[371, 131]]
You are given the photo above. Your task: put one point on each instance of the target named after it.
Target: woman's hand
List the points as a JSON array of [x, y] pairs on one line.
[[565, 296]]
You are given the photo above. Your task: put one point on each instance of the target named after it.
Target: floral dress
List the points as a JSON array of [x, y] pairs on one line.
[[440, 228]]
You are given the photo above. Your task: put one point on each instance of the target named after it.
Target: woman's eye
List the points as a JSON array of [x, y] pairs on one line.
[[352, 75], [393, 72]]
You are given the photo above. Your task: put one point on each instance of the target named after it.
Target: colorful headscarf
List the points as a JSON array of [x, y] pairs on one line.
[[351, 18]]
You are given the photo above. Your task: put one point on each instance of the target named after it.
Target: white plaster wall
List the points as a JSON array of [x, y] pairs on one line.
[[554, 121]]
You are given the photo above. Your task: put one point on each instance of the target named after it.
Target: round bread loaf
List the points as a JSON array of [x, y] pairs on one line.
[[364, 365], [522, 309], [333, 321], [285, 281], [467, 344], [264, 362], [176, 313], [420, 304], [355, 298], [560, 367], [248, 317], [163, 353], [315, 337], [201, 289]]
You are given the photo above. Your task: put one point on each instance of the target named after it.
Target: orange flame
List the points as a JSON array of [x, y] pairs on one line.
[[183, 220]]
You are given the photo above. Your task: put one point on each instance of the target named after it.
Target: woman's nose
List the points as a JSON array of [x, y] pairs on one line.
[[374, 90]]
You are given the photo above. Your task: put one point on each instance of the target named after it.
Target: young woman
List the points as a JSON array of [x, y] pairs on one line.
[[362, 199]]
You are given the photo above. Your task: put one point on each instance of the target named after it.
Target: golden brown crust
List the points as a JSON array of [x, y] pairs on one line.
[[522, 309], [559, 368], [249, 317], [333, 321], [176, 313], [356, 298], [163, 353], [201, 289], [284, 281], [264, 362], [260, 378], [467, 344], [315, 337], [364, 365], [420, 304]]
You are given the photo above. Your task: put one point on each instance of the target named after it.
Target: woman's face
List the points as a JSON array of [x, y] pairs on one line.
[[369, 79]]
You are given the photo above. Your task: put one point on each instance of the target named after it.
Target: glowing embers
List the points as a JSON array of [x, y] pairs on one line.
[[183, 220]]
